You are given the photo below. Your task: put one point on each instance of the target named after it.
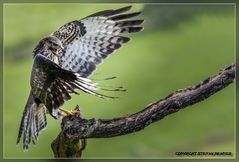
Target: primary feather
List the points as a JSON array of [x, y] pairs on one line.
[[93, 38]]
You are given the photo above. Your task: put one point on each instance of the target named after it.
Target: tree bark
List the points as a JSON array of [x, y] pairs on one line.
[[75, 130]]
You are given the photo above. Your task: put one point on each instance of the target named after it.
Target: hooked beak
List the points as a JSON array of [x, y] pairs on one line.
[[59, 50]]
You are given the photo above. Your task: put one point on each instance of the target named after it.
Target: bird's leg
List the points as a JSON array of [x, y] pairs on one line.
[[71, 112]]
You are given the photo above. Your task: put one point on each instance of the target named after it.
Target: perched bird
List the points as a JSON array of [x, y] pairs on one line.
[[64, 60]]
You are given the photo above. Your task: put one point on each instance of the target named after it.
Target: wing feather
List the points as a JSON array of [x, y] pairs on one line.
[[111, 12], [90, 40], [53, 85]]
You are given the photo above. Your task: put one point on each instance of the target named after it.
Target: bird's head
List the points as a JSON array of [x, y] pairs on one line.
[[53, 44], [49, 43]]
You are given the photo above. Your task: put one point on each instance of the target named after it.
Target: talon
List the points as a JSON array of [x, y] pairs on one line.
[[70, 112]]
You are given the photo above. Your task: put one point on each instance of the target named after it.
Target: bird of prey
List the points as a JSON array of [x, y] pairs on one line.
[[64, 60]]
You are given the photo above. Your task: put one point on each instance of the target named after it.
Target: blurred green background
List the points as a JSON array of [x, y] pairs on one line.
[[180, 46]]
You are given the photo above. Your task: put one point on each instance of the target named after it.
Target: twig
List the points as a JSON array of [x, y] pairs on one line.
[[75, 128]]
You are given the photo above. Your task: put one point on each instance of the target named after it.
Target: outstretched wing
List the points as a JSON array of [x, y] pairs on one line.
[[53, 85], [90, 40]]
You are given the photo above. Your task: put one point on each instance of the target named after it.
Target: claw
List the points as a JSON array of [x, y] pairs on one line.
[[71, 112]]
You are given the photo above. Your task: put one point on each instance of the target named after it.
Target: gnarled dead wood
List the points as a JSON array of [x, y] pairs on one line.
[[75, 130]]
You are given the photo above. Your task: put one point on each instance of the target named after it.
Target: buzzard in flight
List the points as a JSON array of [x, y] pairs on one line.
[[64, 60]]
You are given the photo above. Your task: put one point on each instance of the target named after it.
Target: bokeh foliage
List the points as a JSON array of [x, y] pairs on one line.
[[162, 58]]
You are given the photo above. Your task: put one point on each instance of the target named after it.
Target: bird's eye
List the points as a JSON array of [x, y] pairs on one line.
[[55, 45]]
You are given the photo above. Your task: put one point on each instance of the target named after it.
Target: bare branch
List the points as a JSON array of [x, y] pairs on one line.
[[75, 127]]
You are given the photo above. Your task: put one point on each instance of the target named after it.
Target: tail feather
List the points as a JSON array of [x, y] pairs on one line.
[[35, 131], [41, 116], [32, 123], [27, 131], [25, 117]]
